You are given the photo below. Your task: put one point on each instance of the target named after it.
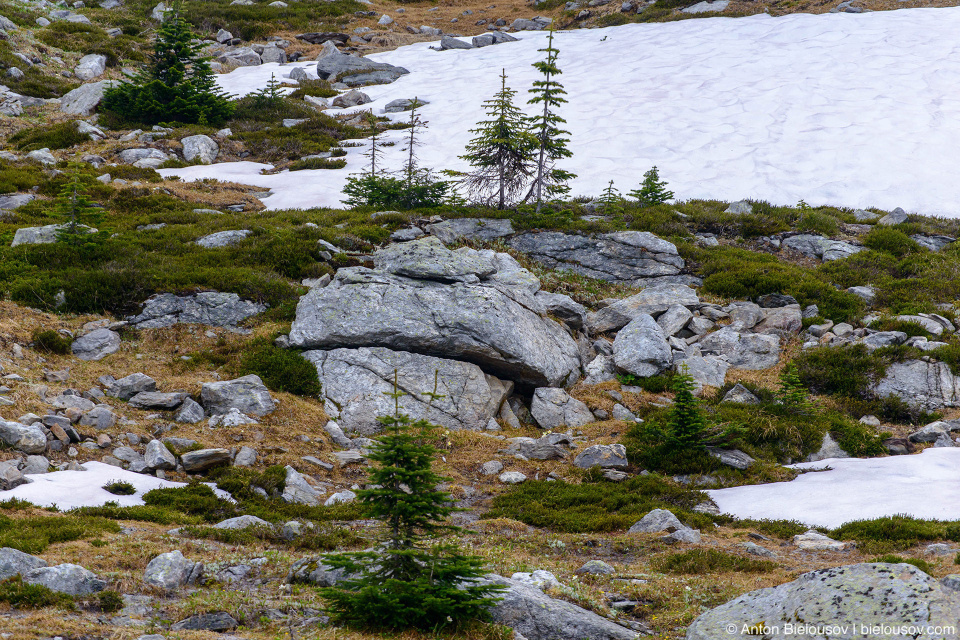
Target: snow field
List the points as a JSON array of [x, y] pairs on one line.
[[851, 110]]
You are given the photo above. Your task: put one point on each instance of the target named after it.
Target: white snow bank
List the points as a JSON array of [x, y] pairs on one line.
[[926, 485], [845, 109], [71, 489]]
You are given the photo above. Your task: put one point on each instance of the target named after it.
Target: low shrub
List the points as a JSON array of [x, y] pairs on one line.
[[845, 371], [899, 532], [314, 88], [110, 601], [56, 136], [119, 488], [892, 241], [818, 222], [322, 537], [50, 341], [905, 326], [596, 507], [34, 534], [281, 369], [654, 384], [701, 561], [782, 529], [15, 592], [923, 565], [317, 163]]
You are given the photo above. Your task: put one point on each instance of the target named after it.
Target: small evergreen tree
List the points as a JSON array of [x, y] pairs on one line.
[[793, 395], [177, 85], [652, 191], [501, 154], [610, 202], [413, 580], [687, 425], [270, 96], [77, 213], [552, 146]]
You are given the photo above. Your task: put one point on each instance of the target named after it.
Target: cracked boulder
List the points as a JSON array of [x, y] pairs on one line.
[[474, 306], [355, 381]]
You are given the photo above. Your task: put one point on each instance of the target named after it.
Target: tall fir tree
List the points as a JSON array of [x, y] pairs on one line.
[[77, 213], [652, 191], [412, 580], [502, 153], [687, 425], [176, 85], [552, 146]]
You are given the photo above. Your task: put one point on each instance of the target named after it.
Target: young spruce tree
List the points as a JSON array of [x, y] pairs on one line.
[[652, 191], [413, 580], [502, 153], [77, 213], [177, 85], [610, 202], [552, 146]]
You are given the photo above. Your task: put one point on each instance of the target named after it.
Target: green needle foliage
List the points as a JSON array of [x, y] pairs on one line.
[[177, 85], [77, 213], [552, 146], [610, 202], [652, 191], [793, 395], [502, 153], [687, 425], [413, 580]]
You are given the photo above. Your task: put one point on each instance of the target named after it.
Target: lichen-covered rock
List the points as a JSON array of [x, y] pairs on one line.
[[157, 456], [486, 229], [14, 562], [623, 256], [495, 322], [537, 616], [170, 571], [554, 408], [129, 386], [641, 349], [925, 385], [651, 301], [852, 596], [247, 394], [605, 456], [209, 307], [70, 579], [28, 439], [743, 350], [354, 383], [96, 345], [297, 490]]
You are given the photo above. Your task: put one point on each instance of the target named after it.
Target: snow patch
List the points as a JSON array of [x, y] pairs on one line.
[[72, 489], [926, 485]]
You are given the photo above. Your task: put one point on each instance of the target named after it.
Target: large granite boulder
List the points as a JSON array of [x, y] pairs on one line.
[[46, 234], [489, 317], [854, 596], [821, 248], [355, 383], [209, 307], [200, 147], [536, 616], [924, 385], [641, 348], [623, 256], [70, 579], [14, 563], [346, 66], [84, 100], [131, 385], [247, 394], [652, 301]]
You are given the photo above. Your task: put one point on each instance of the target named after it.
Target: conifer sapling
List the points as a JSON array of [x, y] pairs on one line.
[[77, 213], [652, 191], [610, 202], [413, 579], [552, 146]]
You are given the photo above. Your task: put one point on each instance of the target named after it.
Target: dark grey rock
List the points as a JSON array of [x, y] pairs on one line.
[[485, 229], [605, 456], [96, 345], [553, 408], [220, 621], [199, 461], [641, 349], [129, 386], [157, 400]]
